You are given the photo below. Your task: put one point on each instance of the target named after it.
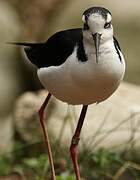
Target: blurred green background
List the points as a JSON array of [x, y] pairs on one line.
[[35, 21]]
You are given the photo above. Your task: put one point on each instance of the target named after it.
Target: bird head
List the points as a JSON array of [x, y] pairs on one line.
[[97, 25]]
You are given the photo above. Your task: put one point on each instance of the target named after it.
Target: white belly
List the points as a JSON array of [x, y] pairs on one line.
[[83, 83]]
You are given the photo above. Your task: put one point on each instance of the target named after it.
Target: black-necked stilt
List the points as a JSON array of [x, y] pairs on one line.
[[79, 66]]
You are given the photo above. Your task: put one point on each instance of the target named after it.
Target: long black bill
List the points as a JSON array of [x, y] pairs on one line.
[[97, 38]]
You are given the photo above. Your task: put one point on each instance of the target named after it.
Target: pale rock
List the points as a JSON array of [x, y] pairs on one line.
[[113, 123]]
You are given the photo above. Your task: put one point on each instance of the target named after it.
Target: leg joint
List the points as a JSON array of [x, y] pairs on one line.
[[75, 140]]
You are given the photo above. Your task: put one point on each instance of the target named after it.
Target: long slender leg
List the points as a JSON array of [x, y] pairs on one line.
[[41, 116], [75, 141]]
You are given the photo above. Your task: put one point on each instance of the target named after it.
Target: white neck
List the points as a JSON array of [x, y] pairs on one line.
[[105, 45]]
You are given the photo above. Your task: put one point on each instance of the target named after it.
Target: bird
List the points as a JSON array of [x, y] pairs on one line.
[[78, 66]]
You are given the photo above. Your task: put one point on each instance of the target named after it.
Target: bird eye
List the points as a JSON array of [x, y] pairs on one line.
[[107, 25]]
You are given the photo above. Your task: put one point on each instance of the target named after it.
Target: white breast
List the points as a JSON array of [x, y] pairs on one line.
[[78, 82]]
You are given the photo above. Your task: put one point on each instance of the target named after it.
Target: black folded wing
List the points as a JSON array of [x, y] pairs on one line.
[[55, 51]]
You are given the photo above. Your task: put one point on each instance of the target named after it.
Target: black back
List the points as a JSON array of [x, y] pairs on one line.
[[55, 51]]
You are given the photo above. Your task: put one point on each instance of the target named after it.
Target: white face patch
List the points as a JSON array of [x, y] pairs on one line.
[[109, 18], [96, 22], [83, 19]]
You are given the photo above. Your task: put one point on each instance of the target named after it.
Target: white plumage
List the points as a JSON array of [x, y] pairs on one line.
[[87, 82]]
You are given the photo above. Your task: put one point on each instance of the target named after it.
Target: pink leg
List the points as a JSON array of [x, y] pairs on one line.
[[75, 141], [41, 115]]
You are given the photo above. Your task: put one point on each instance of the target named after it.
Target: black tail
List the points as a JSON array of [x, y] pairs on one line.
[[34, 51], [25, 44]]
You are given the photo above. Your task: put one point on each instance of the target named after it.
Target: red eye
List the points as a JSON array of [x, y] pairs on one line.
[[107, 25]]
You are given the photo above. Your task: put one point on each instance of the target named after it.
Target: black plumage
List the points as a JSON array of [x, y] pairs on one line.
[[117, 47], [81, 55], [56, 49]]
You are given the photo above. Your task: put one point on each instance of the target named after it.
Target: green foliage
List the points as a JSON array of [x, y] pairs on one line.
[[5, 165], [38, 165], [104, 158], [65, 178], [101, 165]]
